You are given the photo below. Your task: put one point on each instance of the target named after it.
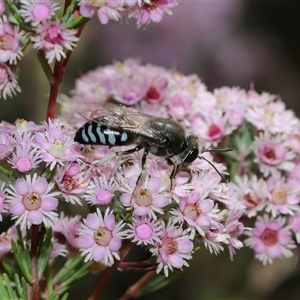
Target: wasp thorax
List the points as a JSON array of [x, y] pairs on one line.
[[172, 137]]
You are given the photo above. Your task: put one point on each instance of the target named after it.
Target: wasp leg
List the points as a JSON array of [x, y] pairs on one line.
[[144, 157], [174, 170], [135, 149]]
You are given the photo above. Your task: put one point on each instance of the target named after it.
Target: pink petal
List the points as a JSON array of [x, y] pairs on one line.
[[93, 221], [49, 203], [22, 186], [154, 185], [141, 211], [206, 206], [175, 261], [274, 251], [115, 244], [35, 217], [185, 246], [16, 208], [259, 247], [156, 15], [41, 141], [182, 178], [160, 201], [110, 222], [40, 185], [203, 221], [125, 199], [85, 241], [174, 232], [99, 253]]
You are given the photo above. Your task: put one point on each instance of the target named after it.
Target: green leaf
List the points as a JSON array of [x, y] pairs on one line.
[[15, 12], [3, 290], [22, 257], [64, 296], [8, 267], [18, 284], [8, 285], [79, 21], [24, 285], [45, 249], [7, 173], [46, 68], [54, 296], [7, 288], [158, 282], [69, 11], [71, 267]]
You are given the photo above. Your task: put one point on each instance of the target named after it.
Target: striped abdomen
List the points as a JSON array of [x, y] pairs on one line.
[[97, 134]]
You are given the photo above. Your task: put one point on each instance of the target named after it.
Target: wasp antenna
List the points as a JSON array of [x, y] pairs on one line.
[[202, 157], [218, 150]]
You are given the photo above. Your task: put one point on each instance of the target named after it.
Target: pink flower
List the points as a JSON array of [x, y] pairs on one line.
[[58, 249], [272, 155], [106, 10], [153, 10], [197, 211], [130, 83], [179, 104], [251, 192], [233, 102], [210, 128], [101, 191], [10, 42], [283, 197], [272, 117], [72, 180], [54, 38], [100, 237], [38, 11], [144, 231], [24, 158], [56, 144], [6, 238], [3, 205], [32, 202], [174, 249], [8, 81], [5, 145], [270, 239], [157, 88], [235, 228], [147, 198], [68, 227], [215, 237], [294, 223]]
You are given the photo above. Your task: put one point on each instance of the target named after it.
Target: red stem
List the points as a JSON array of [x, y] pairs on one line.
[[134, 290], [108, 272], [58, 72], [34, 295]]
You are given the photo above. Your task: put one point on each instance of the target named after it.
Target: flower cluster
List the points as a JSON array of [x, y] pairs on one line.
[[54, 34], [265, 163], [169, 215], [144, 11]]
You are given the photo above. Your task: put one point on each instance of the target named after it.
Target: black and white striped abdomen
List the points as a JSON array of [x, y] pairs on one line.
[[94, 133]]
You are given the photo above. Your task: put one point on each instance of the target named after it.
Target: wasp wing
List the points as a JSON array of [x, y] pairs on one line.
[[124, 118]]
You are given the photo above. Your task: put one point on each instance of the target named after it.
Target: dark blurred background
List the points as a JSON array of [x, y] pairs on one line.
[[232, 43]]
